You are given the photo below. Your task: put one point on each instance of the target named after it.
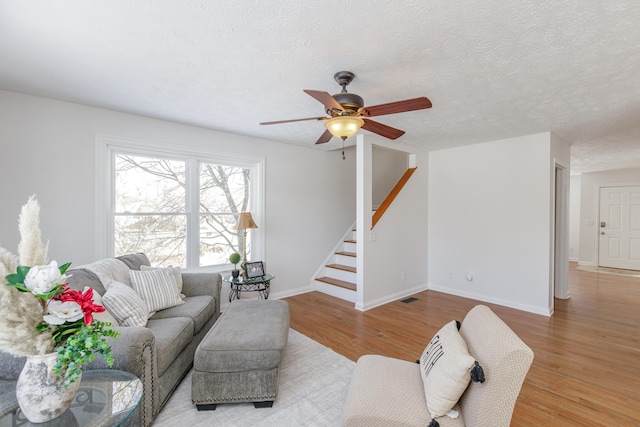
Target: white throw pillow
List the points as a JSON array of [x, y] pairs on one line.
[[125, 305], [103, 316], [109, 270], [157, 288], [445, 366], [177, 273]]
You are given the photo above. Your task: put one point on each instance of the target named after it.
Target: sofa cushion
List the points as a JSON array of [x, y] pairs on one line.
[[445, 366], [125, 305], [134, 261], [156, 287], [199, 309], [234, 345], [172, 336]]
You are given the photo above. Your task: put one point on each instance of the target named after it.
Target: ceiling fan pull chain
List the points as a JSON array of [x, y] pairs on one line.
[[343, 157]]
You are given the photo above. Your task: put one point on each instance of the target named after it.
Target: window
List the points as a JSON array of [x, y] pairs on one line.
[[178, 207]]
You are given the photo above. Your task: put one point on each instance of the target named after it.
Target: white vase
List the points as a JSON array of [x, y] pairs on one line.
[[41, 393]]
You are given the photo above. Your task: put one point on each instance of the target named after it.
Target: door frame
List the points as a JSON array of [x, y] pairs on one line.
[[559, 283]]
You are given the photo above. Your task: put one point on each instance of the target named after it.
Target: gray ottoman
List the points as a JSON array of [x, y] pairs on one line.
[[239, 358]]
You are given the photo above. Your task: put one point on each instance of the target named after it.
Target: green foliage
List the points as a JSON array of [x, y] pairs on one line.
[[82, 342], [234, 259]]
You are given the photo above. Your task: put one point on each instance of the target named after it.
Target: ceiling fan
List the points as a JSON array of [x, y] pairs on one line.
[[347, 113]]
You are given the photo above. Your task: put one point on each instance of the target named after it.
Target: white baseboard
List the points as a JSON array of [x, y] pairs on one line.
[[544, 311], [390, 298]]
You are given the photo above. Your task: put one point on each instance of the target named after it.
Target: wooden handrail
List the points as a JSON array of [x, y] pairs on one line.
[[391, 196]]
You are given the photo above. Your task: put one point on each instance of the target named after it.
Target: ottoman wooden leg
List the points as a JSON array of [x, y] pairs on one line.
[[266, 404], [208, 407]]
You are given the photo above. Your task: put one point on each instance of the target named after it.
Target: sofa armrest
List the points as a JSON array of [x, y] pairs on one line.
[[135, 351], [201, 283]]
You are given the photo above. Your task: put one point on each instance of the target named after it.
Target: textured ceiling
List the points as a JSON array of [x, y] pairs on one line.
[[493, 69]]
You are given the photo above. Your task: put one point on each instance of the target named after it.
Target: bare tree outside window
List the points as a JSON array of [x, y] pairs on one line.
[[152, 215], [224, 193]]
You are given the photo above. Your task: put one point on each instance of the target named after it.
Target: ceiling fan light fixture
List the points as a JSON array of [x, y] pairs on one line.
[[344, 127]]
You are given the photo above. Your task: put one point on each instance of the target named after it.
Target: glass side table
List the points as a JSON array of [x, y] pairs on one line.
[[106, 397], [258, 284]]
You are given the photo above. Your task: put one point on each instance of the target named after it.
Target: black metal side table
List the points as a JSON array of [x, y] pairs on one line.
[[257, 284]]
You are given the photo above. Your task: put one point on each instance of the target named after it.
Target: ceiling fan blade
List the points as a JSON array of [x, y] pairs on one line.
[[396, 107], [383, 130], [327, 100], [293, 120], [325, 137]]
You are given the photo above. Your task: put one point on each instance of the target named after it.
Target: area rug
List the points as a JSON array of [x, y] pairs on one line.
[[313, 385], [606, 270]]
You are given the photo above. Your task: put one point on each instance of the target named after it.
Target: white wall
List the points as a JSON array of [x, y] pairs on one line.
[[48, 149], [490, 217], [589, 189], [388, 167], [392, 258]]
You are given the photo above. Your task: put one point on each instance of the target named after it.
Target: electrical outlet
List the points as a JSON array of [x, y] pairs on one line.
[[403, 276]]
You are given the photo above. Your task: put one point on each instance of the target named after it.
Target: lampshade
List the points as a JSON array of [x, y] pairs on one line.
[[344, 127], [245, 221]]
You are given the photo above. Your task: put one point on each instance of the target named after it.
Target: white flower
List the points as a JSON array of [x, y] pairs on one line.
[[60, 312], [42, 278]]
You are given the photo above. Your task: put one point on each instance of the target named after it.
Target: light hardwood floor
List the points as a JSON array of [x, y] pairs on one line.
[[586, 368]]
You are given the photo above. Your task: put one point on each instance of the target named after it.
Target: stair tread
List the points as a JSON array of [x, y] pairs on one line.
[[337, 282], [350, 241], [353, 254], [342, 267]]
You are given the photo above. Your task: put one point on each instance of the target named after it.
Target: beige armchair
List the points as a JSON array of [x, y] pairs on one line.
[[390, 392]]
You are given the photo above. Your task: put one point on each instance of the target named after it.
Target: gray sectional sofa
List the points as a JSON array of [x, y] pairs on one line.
[[161, 353]]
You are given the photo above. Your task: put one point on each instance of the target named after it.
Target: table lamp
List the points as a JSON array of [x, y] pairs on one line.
[[245, 222]]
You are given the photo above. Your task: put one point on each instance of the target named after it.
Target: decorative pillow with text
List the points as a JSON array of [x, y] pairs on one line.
[[445, 366]]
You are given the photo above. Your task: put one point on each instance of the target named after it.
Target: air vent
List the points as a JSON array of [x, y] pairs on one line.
[[409, 300]]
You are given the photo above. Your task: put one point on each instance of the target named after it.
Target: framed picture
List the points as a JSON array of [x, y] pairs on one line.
[[253, 270]]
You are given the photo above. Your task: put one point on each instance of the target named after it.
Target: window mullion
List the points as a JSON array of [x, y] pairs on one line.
[[193, 214]]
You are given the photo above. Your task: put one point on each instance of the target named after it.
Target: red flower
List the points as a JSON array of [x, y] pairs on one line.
[[84, 300]]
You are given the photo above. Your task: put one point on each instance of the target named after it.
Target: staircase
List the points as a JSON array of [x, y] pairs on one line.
[[338, 276]]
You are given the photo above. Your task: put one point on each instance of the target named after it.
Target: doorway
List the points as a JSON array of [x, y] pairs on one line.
[[560, 272], [619, 227]]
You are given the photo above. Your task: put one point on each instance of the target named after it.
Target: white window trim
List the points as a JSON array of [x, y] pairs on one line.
[[107, 144]]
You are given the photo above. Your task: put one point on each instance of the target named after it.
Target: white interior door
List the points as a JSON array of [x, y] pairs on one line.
[[619, 228]]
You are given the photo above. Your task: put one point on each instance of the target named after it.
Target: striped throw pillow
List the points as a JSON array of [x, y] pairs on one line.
[[125, 305], [157, 288]]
